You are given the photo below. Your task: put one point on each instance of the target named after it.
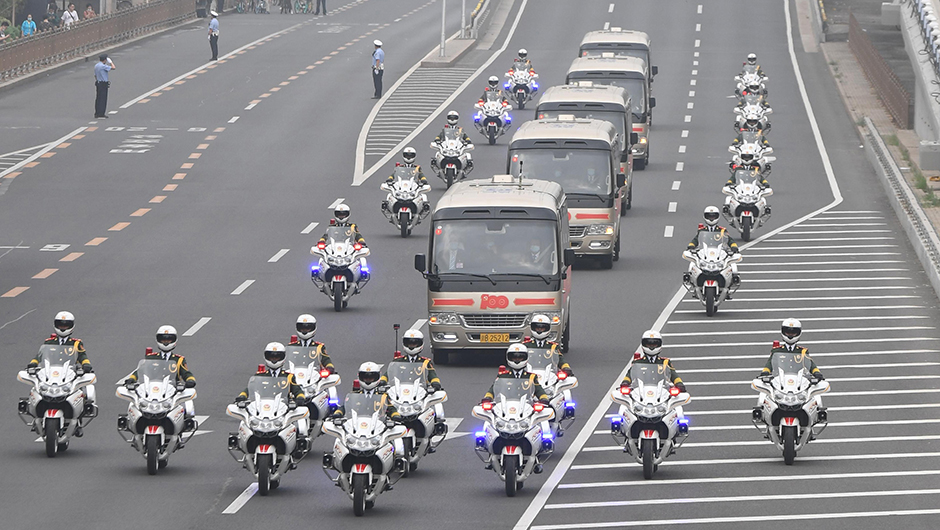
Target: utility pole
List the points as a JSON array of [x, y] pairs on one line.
[[463, 19], [443, 37]]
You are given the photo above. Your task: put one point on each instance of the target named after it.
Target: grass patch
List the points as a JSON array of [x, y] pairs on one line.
[[860, 122], [833, 63], [892, 139], [931, 200]]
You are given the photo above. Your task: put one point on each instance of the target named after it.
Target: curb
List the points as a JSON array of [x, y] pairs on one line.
[[432, 60], [819, 20]]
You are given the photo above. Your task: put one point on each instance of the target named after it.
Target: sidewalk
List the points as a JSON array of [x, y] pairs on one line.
[[861, 101]]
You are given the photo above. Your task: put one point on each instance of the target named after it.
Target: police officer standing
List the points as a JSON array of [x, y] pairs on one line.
[[378, 68], [102, 83], [214, 35]]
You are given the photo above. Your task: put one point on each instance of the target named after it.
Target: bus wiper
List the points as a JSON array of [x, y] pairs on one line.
[[544, 278], [484, 276], [597, 196]]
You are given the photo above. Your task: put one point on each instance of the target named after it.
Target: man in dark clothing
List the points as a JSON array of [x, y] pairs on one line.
[[102, 84]]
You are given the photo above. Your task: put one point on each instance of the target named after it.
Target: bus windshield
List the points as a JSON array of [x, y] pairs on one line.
[[484, 247], [579, 171]]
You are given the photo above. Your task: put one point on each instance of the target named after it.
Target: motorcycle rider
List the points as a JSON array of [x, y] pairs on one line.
[[370, 383], [522, 61], [412, 343], [63, 324], [166, 342], [452, 117], [341, 218], [408, 156], [274, 355], [752, 61], [652, 345], [711, 216], [539, 329], [492, 85], [791, 329], [306, 329], [517, 360]]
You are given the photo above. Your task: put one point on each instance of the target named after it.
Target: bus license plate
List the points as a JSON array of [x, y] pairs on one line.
[[494, 337]]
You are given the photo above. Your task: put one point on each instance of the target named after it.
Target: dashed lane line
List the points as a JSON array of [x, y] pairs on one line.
[[280, 254], [241, 288], [310, 228], [39, 153], [197, 326], [336, 203]]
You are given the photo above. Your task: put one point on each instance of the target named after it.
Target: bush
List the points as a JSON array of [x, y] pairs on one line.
[[892, 139]]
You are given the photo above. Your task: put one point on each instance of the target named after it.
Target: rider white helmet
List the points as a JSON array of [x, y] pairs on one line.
[[412, 342], [540, 327], [748, 152], [493, 81], [64, 323], [523, 53], [651, 343], [711, 216], [306, 326], [752, 58], [274, 354], [517, 356], [791, 329], [341, 213], [369, 375], [166, 338], [452, 117], [409, 155]]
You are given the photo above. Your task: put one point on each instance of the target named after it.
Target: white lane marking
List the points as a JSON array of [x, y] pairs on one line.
[[771, 332], [796, 263], [693, 82], [680, 166], [611, 8], [309, 228], [827, 354], [360, 176], [805, 309], [279, 255], [738, 461], [827, 247], [694, 63], [197, 326], [719, 428], [823, 254], [692, 92], [199, 421], [747, 519], [688, 118], [861, 408], [234, 119], [198, 68], [807, 232], [336, 203], [694, 72], [830, 395], [815, 279], [681, 148], [865, 218], [669, 230], [242, 499], [452, 424], [699, 11], [695, 54], [818, 289], [685, 133], [839, 341], [672, 207], [676, 184], [251, 106], [419, 323], [816, 225], [606, 25], [698, 27], [843, 212], [813, 319], [843, 379], [753, 369], [241, 288], [44, 150], [817, 239], [397, 20], [697, 43]]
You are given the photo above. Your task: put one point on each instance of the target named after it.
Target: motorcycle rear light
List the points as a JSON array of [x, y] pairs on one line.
[[562, 375], [324, 373], [321, 245], [674, 391], [538, 407], [232, 441], [487, 405], [148, 350], [625, 390]]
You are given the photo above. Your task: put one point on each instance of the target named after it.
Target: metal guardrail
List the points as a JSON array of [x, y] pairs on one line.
[[49, 47], [886, 83], [475, 17]]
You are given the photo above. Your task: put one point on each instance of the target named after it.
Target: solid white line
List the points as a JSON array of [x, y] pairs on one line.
[[672, 207], [234, 119], [336, 203], [241, 499], [723, 322], [680, 166], [676, 184], [810, 240], [737, 461], [815, 225], [419, 323], [740, 519], [852, 279], [826, 255], [49, 147], [813, 247], [842, 379], [754, 369], [197, 326], [843, 341], [309, 228], [611, 8], [817, 289], [771, 332], [869, 231], [279, 255], [843, 212], [868, 218], [804, 309], [817, 298], [251, 106], [685, 133], [824, 271], [669, 230], [866, 423], [241, 288], [861, 408], [829, 395], [711, 358], [799, 263]]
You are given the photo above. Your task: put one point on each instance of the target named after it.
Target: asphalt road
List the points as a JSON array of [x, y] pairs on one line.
[[211, 200]]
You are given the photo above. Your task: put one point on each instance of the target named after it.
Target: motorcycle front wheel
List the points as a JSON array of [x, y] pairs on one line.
[[408, 443], [449, 177], [52, 437], [510, 468], [403, 223], [646, 450], [359, 493], [746, 228], [338, 297], [264, 473], [789, 445], [153, 452], [491, 136], [710, 306]]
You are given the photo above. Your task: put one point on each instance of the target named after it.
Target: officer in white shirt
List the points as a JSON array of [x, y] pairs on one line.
[[214, 35]]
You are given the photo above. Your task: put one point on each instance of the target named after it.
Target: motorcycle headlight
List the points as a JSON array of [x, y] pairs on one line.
[[779, 396], [44, 388], [404, 195], [661, 409], [600, 230], [446, 319], [709, 266], [637, 408], [500, 424]]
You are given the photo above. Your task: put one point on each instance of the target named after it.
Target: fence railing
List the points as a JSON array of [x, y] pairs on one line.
[[49, 47], [475, 15], [886, 83]]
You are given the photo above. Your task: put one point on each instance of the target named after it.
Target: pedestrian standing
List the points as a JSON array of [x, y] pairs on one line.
[[28, 27], [319, 3], [3, 30], [69, 17], [378, 68], [214, 35], [102, 84]]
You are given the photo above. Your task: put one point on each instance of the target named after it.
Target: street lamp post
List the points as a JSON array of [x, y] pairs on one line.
[[443, 38]]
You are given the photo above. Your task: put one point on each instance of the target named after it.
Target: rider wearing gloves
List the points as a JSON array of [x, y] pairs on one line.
[[306, 329], [166, 342], [733, 180], [452, 117], [274, 355], [791, 329], [711, 216], [412, 343], [740, 137], [652, 345], [540, 327], [370, 383], [409, 155], [341, 218]]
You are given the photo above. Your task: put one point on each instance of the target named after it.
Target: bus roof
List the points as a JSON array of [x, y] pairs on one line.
[[614, 36], [565, 132], [603, 95], [609, 64], [501, 196]]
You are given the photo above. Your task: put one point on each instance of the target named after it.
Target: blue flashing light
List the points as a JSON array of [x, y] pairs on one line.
[[480, 434], [333, 401], [507, 85], [535, 86], [684, 421], [569, 404], [508, 118], [365, 269], [547, 435], [616, 420]]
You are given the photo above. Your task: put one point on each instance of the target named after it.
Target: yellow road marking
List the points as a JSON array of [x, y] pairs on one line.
[[169, 187], [78, 136], [140, 212], [145, 100], [181, 81], [73, 256], [157, 199], [194, 156], [275, 89], [44, 274], [63, 145], [187, 165], [31, 164], [14, 174], [284, 83], [218, 129], [211, 137], [118, 227], [96, 241], [179, 176], [265, 95], [202, 146], [13, 292], [50, 154], [155, 94], [90, 129]]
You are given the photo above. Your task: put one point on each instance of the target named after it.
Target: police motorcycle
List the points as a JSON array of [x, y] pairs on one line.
[[267, 442], [319, 387], [752, 117], [751, 82], [450, 160], [751, 153], [406, 204], [366, 456], [650, 423], [515, 434], [61, 400], [746, 205], [492, 117], [789, 411], [521, 84], [415, 402], [341, 270], [543, 362], [155, 422], [710, 274]]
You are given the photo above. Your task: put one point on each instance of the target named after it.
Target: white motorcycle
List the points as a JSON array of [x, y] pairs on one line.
[[364, 455], [752, 117], [156, 416], [268, 441], [543, 362], [746, 206], [516, 435], [406, 204], [409, 393], [521, 85], [789, 409], [750, 69], [712, 270], [341, 270], [650, 424], [751, 82], [492, 117], [452, 157], [319, 388], [61, 399], [751, 153]]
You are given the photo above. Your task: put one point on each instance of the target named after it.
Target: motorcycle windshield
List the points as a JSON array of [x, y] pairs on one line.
[[302, 361], [405, 173], [57, 355], [790, 363], [542, 359], [490, 246], [712, 241], [365, 408], [156, 370], [406, 374], [751, 137], [506, 389], [752, 99], [645, 379], [339, 234], [269, 394], [577, 170], [492, 95], [746, 178]]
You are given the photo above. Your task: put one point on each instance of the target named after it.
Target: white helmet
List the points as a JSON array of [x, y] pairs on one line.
[[651, 343], [64, 323], [274, 354], [523, 53], [517, 356], [369, 375], [540, 327], [306, 326], [412, 342], [752, 58], [493, 81], [166, 338], [341, 213], [452, 117], [711, 216], [791, 329], [748, 152], [409, 155]]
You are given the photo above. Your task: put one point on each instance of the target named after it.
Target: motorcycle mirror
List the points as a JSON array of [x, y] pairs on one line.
[[242, 404], [634, 138], [421, 263], [291, 405], [390, 424], [652, 102]]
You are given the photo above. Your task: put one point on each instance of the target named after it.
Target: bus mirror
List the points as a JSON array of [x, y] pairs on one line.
[[621, 180], [655, 70], [652, 102], [569, 256], [634, 138], [421, 263]]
